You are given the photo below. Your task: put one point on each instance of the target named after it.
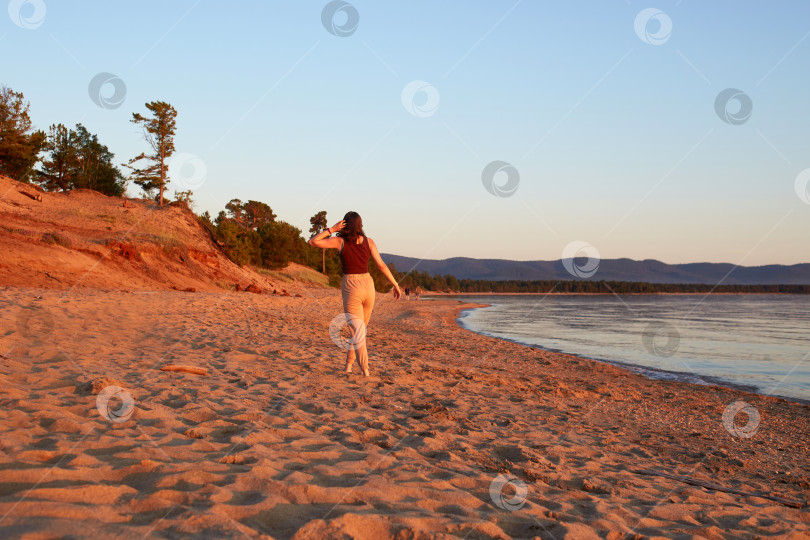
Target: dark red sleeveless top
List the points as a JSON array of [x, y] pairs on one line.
[[354, 257]]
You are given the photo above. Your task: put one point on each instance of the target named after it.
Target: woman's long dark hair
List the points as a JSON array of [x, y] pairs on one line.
[[353, 227]]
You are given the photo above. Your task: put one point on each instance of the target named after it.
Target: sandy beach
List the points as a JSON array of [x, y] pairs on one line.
[[454, 435], [201, 202]]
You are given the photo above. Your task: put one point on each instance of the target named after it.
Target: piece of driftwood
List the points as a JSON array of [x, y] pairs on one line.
[[50, 276], [187, 289], [185, 369], [718, 487], [37, 198]]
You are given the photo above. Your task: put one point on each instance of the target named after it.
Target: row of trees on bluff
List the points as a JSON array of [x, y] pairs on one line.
[[66, 158]]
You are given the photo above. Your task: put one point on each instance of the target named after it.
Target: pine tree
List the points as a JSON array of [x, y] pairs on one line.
[[257, 214], [60, 164], [95, 169], [236, 211], [19, 144], [76, 159], [158, 130], [251, 215], [319, 224]]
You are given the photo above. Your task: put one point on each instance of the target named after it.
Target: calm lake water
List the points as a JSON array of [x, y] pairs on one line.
[[757, 342]]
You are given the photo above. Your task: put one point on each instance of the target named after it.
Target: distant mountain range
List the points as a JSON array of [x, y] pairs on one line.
[[649, 270]]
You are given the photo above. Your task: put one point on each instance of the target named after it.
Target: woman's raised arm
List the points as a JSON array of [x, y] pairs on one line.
[[322, 239]]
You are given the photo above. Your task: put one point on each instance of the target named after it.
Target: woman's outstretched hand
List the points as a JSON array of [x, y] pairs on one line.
[[397, 292], [338, 226]]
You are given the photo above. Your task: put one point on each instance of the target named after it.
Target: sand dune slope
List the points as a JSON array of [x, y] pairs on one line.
[[86, 239]]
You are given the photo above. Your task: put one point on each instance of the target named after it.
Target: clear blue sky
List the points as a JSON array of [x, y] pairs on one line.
[[616, 140]]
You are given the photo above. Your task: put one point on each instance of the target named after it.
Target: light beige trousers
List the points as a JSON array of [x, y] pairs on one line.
[[358, 300]]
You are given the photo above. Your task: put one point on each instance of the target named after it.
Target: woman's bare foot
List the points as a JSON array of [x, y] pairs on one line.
[[366, 373]]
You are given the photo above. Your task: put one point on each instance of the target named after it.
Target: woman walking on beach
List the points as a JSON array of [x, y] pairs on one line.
[[357, 286]]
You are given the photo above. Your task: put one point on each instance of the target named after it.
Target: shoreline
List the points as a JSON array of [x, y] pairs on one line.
[[645, 371], [441, 294], [276, 441]]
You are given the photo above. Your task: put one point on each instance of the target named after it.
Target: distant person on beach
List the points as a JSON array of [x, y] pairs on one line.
[[357, 286], [416, 293], [407, 293]]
